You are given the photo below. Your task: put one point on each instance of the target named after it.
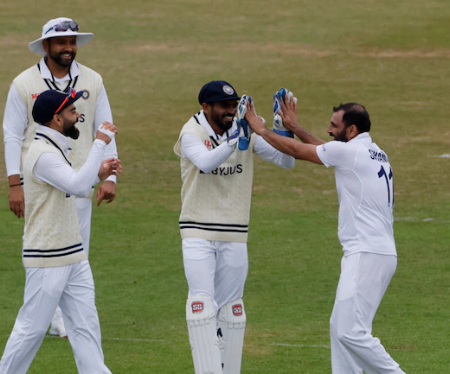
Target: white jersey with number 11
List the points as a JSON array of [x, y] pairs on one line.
[[365, 187]]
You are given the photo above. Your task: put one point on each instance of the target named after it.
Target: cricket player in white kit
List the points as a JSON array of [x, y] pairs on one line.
[[364, 182], [57, 70], [216, 196], [56, 265]]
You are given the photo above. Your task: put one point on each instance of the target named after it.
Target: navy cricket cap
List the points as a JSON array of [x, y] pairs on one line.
[[215, 91], [51, 102]]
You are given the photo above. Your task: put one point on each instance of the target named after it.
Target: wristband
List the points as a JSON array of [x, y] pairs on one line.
[[14, 185]]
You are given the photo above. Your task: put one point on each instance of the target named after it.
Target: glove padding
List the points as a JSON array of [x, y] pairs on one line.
[[246, 133], [278, 126], [234, 137], [244, 139]]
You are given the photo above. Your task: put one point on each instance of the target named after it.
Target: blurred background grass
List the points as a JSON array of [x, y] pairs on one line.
[[154, 56]]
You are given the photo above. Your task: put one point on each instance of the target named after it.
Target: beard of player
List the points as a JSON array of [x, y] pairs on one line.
[[70, 129], [341, 137], [224, 121], [58, 57]]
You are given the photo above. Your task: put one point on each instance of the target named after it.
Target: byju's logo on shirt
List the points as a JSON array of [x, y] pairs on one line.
[[228, 170]]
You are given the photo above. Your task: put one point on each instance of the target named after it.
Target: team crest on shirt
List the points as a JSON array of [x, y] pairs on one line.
[[85, 94], [228, 90], [197, 307], [237, 310]]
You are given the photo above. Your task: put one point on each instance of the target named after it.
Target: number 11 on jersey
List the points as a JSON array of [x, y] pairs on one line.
[[389, 184]]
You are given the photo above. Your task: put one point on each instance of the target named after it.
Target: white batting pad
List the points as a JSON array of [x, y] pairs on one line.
[[201, 322], [232, 321]]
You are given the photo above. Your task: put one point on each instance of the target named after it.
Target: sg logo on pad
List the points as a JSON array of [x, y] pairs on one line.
[[237, 310], [197, 307]]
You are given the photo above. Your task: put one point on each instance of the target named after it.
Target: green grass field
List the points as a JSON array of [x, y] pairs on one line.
[[154, 56]]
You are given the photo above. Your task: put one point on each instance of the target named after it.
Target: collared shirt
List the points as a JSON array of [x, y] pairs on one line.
[[364, 183], [195, 150], [15, 119], [52, 168]]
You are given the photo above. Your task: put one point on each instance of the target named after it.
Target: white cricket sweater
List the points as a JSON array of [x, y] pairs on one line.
[[52, 236], [216, 206]]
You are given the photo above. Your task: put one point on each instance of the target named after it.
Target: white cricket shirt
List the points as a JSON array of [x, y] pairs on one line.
[[53, 169], [365, 187]]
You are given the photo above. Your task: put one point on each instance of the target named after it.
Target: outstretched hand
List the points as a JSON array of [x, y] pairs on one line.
[[288, 113], [255, 122]]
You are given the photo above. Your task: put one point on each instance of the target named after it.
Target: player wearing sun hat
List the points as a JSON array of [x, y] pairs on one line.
[[59, 71]]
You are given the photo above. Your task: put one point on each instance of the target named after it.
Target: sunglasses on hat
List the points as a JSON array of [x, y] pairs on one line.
[[72, 93], [64, 26]]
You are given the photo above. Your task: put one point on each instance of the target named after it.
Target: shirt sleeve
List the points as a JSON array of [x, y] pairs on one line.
[[205, 160], [54, 170], [103, 113], [273, 155], [15, 122], [337, 154]]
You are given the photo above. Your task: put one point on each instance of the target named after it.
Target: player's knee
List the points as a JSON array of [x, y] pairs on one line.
[[200, 307], [348, 336], [233, 313]]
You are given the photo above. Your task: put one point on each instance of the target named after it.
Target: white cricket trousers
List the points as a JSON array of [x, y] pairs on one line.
[[84, 213], [215, 269], [362, 284], [71, 286]]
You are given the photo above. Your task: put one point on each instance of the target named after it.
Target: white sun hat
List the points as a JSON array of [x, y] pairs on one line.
[[61, 26]]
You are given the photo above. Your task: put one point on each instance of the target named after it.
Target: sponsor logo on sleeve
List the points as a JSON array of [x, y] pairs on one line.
[[197, 307], [324, 148], [208, 144]]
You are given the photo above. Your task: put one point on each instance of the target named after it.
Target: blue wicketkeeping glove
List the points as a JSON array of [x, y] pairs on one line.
[[278, 126], [234, 137], [246, 131]]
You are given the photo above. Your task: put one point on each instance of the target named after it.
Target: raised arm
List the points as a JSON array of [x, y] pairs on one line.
[[284, 144], [52, 169], [107, 190], [289, 117]]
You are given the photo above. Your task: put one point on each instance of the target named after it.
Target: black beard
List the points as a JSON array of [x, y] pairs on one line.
[[72, 132], [224, 126], [340, 138], [57, 58]]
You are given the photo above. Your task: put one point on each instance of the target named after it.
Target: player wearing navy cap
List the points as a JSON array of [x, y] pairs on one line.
[[56, 265], [364, 182], [216, 196]]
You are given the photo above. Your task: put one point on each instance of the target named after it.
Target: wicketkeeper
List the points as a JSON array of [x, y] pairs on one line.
[[216, 152]]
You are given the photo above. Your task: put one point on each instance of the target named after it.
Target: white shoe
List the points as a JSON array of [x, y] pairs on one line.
[[57, 327]]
